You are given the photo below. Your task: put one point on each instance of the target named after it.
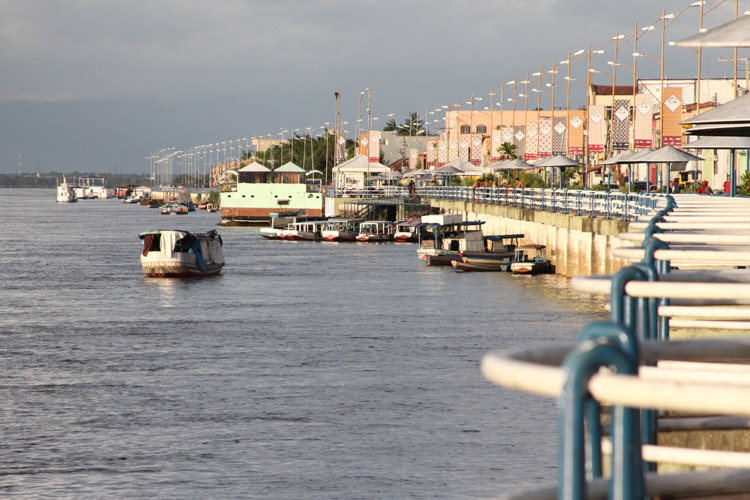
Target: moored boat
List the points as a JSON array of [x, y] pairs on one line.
[[303, 231], [375, 230], [531, 259], [442, 238], [497, 255], [406, 231], [339, 229], [176, 254]]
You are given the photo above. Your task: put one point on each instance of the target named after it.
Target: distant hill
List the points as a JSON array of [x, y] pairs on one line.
[[50, 180]]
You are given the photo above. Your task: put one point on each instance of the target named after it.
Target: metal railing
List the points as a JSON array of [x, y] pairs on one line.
[[698, 376], [589, 203]]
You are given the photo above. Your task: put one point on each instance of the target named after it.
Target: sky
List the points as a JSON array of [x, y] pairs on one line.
[[98, 85]]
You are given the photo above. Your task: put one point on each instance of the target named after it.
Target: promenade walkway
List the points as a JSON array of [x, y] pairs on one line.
[[669, 373]]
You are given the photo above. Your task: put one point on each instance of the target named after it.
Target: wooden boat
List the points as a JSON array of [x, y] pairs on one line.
[[406, 231], [443, 237], [498, 254], [173, 208], [531, 259], [375, 230], [303, 231], [177, 254], [341, 229]]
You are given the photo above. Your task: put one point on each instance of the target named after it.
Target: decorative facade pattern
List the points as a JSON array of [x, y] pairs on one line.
[[597, 127]]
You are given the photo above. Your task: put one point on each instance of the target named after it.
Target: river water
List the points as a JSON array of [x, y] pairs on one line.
[[305, 370]]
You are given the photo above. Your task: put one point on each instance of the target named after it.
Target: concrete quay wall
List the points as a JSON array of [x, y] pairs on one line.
[[576, 245]]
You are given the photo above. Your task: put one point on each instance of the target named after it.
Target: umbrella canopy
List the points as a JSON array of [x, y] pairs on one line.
[[417, 173], [636, 157], [669, 154], [732, 34], [498, 165], [447, 169], [719, 142], [729, 119], [558, 161], [618, 158], [464, 166], [517, 164]]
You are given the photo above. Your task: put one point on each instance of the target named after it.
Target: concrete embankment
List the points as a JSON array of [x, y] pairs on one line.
[[576, 245]]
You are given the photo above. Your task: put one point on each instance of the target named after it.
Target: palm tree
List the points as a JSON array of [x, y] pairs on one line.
[[508, 150]]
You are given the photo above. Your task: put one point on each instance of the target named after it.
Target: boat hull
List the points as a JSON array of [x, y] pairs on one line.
[[486, 266], [444, 259], [339, 235], [531, 268], [178, 270], [405, 237], [370, 238]]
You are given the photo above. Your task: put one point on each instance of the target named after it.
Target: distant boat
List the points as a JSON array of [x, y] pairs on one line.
[[378, 230], [498, 254], [173, 208], [176, 254], [66, 193]]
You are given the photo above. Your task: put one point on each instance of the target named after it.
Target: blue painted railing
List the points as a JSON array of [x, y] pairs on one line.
[[615, 344]]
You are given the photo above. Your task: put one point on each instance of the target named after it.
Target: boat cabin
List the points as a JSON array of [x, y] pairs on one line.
[[376, 227], [463, 236]]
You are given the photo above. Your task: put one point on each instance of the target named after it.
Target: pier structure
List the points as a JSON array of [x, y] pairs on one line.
[[581, 229]]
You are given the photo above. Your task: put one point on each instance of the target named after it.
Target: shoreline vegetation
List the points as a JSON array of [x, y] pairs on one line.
[[50, 180]]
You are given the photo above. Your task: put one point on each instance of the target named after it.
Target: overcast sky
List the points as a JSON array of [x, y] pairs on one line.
[[96, 85]]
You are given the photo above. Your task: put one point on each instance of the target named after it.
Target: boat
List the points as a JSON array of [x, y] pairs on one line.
[[375, 230], [406, 230], [211, 207], [339, 229], [498, 254], [443, 237], [303, 231], [531, 259], [177, 254], [259, 192], [173, 208], [66, 193], [280, 221]]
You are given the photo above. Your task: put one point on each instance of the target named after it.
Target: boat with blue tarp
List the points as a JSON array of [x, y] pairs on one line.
[[177, 254]]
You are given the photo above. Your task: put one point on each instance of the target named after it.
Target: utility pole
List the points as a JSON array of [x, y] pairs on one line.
[[747, 72]]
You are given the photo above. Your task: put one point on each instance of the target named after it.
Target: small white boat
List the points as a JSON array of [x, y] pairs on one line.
[[375, 230], [406, 230], [303, 231], [531, 259], [66, 193], [341, 229], [177, 254]]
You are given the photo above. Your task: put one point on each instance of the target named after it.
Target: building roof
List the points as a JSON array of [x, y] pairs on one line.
[[607, 89]]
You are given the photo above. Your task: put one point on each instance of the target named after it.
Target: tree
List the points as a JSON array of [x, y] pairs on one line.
[[508, 150], [412, 126], [390, 126]]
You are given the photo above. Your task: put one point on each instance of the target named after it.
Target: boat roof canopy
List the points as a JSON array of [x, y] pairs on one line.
[[460, 224], [500, 237]]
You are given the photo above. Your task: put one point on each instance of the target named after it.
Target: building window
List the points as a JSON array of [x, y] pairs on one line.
[[481, 129], [465, 129]]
